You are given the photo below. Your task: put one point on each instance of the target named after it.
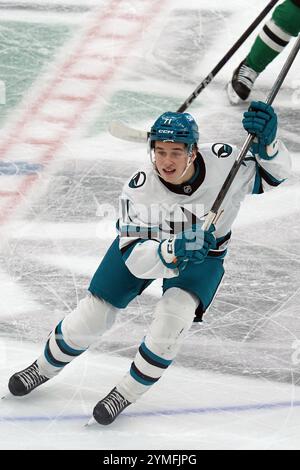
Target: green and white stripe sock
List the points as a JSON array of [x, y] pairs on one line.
[[274, 36]]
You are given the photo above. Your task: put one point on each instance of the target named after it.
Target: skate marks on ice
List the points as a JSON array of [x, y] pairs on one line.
[[187, 45], [77, 83], [46, 7], [250, 329], [53, 270], [194, 416]]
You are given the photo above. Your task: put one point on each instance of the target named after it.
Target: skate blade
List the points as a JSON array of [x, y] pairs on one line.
[[233, 97], [91, 422], [9, 396]]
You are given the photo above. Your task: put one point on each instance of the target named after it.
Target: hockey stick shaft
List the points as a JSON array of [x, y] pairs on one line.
[[226, 57], [214, 212], [122, 131]]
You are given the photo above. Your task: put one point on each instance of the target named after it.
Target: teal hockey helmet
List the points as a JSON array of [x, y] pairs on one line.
[[175, 127]]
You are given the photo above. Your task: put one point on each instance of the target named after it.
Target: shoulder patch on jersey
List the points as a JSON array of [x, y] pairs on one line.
[[222, 150], [138, 180]]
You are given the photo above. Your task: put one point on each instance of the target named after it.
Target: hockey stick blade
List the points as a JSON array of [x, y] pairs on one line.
[[122, 131]]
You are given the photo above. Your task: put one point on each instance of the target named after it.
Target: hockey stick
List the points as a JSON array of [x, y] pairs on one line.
[[215, 212], [123, 131]]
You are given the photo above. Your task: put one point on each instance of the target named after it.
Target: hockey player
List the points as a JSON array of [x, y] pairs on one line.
[[160, 236], [272, 39]]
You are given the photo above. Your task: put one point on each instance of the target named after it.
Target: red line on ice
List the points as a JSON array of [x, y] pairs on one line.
[[46, 95]]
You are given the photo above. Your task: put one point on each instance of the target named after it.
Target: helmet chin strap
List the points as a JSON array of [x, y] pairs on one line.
[[189, 163]]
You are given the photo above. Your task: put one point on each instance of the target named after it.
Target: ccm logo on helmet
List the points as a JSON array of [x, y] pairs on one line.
[[164, 131]]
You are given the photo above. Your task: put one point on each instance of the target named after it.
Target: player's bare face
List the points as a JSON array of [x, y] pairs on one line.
[[171, 159]]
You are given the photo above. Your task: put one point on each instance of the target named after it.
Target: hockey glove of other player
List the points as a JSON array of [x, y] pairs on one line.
[[261, 121], [191, 245]]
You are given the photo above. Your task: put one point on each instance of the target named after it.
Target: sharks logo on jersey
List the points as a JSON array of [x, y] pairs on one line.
[[222, 150], [181, 220], [159, 221], [154, 212], [138, 180]]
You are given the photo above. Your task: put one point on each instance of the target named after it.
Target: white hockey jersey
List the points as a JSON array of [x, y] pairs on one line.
[[152, 210]]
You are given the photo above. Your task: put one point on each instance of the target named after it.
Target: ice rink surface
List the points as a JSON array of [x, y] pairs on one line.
[[235, 382]]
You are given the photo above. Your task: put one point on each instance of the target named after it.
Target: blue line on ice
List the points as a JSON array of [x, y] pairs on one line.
[[19, 168], [182, 411]]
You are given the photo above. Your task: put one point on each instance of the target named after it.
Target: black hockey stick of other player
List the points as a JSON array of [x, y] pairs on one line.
[[215, 212], [226, 57], [122, 131]]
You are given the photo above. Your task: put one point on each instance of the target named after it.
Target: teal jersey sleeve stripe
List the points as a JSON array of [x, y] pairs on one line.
[[257, 187], [269, 178], [127, 250]]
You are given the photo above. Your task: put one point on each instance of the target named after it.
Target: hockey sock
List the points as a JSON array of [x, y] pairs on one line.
[[59, 351], [73, 335], [173, 317], [274, 36]]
